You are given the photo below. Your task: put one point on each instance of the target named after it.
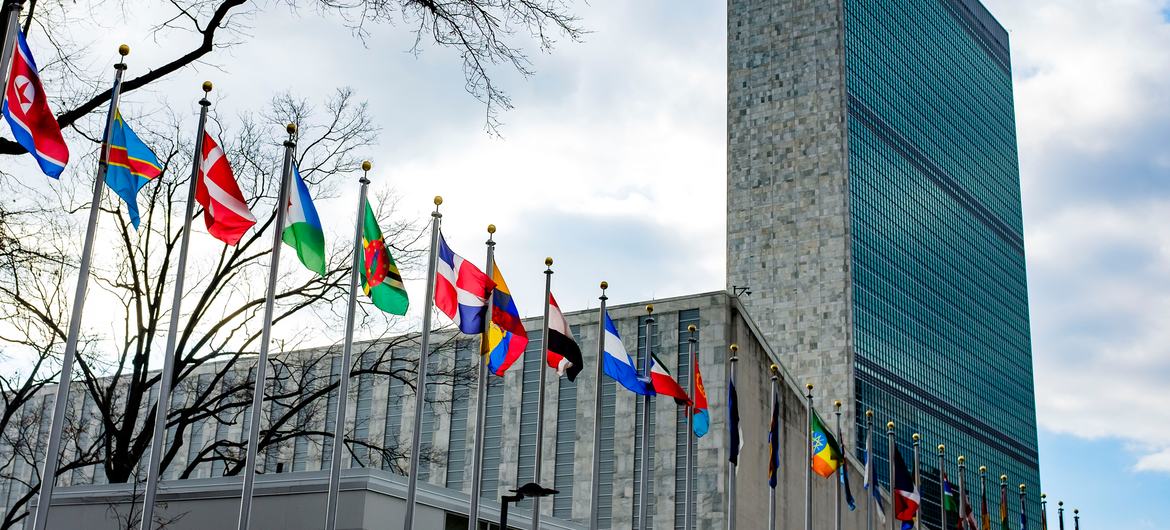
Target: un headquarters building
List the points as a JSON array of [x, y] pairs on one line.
[[874, 249]]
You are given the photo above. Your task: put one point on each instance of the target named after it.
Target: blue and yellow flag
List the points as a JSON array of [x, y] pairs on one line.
[[507, 337], [131, 165]]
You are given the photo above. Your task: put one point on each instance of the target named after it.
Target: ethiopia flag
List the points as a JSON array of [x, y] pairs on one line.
[[826, 452], [303, 227], [380, 278]]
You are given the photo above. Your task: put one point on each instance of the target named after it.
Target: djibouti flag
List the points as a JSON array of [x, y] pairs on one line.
[[380, 278], [303, 231]]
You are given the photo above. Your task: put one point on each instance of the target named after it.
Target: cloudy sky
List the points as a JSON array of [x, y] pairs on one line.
[[614, 163]]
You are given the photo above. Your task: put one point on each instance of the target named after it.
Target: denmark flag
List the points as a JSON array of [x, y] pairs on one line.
[[224, 209], [27, 110]]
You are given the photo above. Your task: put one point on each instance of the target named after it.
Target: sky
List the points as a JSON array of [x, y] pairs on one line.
[[614, 162]]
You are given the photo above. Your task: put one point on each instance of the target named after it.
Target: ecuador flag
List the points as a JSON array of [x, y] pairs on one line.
[[826, 453]]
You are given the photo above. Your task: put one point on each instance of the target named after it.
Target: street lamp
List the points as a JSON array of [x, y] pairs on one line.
[[530, 490]]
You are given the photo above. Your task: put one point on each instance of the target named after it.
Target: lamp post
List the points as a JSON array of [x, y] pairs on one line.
[[531, 490]]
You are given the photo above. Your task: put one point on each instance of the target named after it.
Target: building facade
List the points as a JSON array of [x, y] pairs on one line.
[[874, 212]]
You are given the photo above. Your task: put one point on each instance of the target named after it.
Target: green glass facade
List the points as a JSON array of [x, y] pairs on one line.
[[939, 292]]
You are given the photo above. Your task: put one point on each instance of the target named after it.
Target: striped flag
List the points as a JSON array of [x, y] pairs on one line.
[[564, 355], [224, 209], [507, 338], [131, 165], [665, 384], [618, 364], [303, 227], [774, 440], [702, 418]]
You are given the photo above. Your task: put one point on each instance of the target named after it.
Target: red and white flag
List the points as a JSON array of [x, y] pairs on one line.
[[564, 355], [665, 384], [224, 209]]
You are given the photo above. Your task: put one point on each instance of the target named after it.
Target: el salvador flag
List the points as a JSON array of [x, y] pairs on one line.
[[619, 365]]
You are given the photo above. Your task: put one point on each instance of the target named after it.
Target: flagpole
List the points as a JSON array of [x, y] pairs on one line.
[[644, 479], [732, 467], [346, 356], [808, 446], [1060, 513], [917, 473], [421, 380], [983, 497], [963, 492], [776, 444], [481, 393], [261, 380], [548, 272], [595, 480], [1043, 511], [165, 378], [11, 21], [840, 469], [1076, 519], [868, 465], [53, 448], [893, 485], [1003, 497], [1023, 507], [688, 513], [942, 499]]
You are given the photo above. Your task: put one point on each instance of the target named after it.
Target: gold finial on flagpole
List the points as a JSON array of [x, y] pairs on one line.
[[774, 369], [649, 308], [491, 229], [548, 261], [291, 128], [836, 404], [124, 50], [890, 426], [1023, 487], [366, 165], [962, 460], [869, 414], [916, 437], [206, 86], [438, 200], [692, 328], [942, 449], [604, 285], [982, 469]]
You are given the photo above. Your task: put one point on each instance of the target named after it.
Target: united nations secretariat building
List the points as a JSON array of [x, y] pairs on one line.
[[873, 210]]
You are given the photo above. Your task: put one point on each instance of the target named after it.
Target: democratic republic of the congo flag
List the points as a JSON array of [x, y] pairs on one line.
[[131, 165]]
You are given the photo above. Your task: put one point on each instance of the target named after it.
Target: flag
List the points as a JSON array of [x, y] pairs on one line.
[[508, 339], [1003, 509], [302, 229], [905, 492], [131, 165], [845, 482], [1044, 516], [27, 110], [701, 421], [663, 383], [826, 453], [950, 505], [224, 210], [774, 439], [618, 364], [563, 354], [1023, 519], [734, 429], [871, 484], [380, 278], [461, 290], [969, 516]]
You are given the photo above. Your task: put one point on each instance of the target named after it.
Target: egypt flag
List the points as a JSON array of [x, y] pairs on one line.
[[906, 497], [664, 384], [27, 110], [563, 355], [302, 229], [461, 290], [224, 210]]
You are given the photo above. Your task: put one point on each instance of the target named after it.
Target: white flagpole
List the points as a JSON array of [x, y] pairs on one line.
[[840, 469], [8, 45], [261, 379], [942, 501], [346, 356], [772, 399], [917, 474], [595, 480], [540, 392], [481, 392], [731, 469], [688, 511], [421, 381], [963, 492], [1023, 507], [161, 408], [868, 466], [644, 479], [893, 483], [53, 449], [808, 500]]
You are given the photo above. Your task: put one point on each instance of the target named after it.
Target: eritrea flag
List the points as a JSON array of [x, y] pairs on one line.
[[380, 278]]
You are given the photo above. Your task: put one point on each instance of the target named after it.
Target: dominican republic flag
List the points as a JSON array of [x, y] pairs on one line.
[[618, 364], [27, 110], [224, 209], [461, 290], [302, 229], [564, 355], [871, 483], [665, 384], [906, 497]]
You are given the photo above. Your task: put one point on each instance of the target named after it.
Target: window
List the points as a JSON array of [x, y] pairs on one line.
[[460, 401]]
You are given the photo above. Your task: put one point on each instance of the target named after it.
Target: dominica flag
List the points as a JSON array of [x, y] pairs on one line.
[[131, 165], [380, 278], [826, 452], [302, 230]]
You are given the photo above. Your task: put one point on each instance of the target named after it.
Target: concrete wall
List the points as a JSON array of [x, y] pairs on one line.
[[787, 191]]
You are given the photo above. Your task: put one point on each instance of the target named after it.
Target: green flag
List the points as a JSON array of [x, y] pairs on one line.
[[380, 278]]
